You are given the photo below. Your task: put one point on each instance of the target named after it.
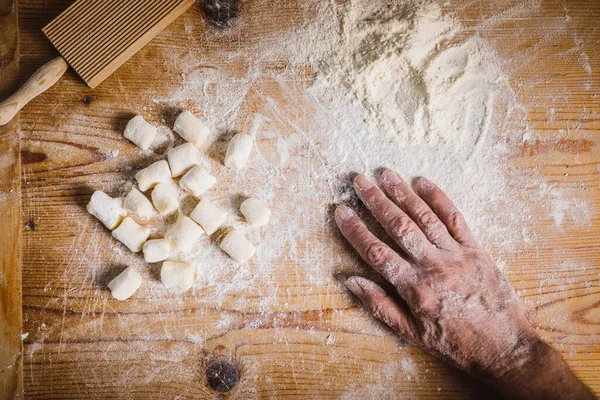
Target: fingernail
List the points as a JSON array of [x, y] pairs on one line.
[[344, 213], [354, 287], [391, 178], [363, 183]]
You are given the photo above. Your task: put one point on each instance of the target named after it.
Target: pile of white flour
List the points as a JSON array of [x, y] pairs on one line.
[[401, 63]]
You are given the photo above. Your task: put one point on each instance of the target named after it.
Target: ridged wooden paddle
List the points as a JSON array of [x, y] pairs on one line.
[[95, 38]]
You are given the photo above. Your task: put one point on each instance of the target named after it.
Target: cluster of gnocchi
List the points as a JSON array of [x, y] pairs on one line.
[[183, 163]]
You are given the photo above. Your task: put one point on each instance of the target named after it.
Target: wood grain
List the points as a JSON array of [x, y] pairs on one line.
[[311, 342], [11, 360]]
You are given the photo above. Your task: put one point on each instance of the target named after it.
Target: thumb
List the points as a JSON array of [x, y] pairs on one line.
[[376, 300]]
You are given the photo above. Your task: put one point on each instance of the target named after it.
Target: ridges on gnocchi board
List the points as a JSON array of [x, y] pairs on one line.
[[97, 37]]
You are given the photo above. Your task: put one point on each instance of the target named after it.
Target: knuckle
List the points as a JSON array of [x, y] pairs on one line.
[[353, 232], [372, 197], [377, 202], [430, 334], [428, 218], [378, 254], [456, 220], [423, 300], [398, 194], [400, 225], [429, 306], [353, 227], [379, 312]]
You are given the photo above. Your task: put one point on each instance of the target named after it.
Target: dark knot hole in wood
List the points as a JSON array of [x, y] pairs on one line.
[[222, 376]]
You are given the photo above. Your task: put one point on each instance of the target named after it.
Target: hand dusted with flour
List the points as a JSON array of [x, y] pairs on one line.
[[457, 304]]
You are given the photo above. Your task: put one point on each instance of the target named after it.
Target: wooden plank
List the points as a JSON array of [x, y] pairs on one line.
[[311, 342], [11, 360]]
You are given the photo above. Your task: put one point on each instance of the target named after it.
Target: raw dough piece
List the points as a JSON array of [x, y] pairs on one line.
[[177, 275], [182, 158], [209, 216], [140, 132], [108, 210], [184, 234], [237, 246], [191, 129], [137, 203], [156, 250], [152, 175], [197, 180], [255, 212], [165, 197], [125, 284], [131, 234], [238, 151]]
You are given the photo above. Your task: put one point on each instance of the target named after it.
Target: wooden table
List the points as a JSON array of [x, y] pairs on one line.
[[81, 344]]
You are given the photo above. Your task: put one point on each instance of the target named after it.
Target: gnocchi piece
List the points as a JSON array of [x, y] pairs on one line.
[[125, 284], [177, 275], [152, 175], [197, 180], [238, 151], [131, 234], [165, 197], [137, 203], [184, 234], [237, 246], [255, 212], [191, 129], [209, 216], [182, 158], [140, 132], [156, 250], [108, 210]]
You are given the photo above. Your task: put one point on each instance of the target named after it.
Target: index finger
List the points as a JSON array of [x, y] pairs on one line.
[[393, 267], [396, 222]]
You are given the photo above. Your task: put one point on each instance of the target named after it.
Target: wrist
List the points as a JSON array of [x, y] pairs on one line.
[[503, 361], [538, 372], [525, 361]]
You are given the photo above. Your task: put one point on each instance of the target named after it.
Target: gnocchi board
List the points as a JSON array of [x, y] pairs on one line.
[[313, 342], [96, 38]]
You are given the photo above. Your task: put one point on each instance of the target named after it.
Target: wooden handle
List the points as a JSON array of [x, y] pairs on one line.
[[42, 80]]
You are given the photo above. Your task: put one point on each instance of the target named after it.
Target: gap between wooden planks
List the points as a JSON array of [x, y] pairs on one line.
[[11, 358]]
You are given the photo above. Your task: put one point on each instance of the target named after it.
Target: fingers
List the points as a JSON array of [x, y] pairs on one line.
[[417, 210], [395, 221], [446, 211], [377, 254], [383, 307]]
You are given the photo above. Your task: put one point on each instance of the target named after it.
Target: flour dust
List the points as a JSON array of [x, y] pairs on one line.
[[395, 85]]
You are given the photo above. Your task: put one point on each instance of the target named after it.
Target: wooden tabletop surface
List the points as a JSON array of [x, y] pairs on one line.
[[10, 213], [80, 344]]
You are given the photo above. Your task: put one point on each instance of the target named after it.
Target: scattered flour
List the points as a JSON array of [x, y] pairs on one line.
[[584, 60], [409, 368], [395, 85]]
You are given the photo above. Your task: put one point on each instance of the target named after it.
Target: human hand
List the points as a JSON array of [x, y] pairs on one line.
[[456, 304]]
